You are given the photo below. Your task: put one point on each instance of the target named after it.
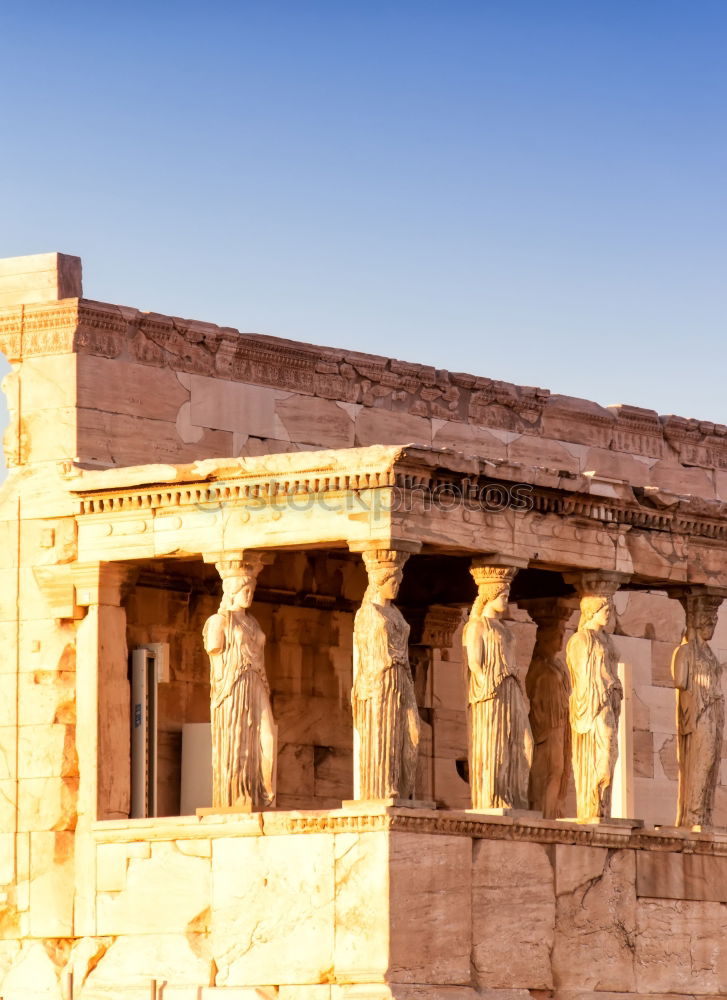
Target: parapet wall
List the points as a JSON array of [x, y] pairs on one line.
[[112, 386], [380, 903]]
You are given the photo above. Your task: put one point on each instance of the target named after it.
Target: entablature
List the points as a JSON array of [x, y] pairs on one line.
[[451, 502]]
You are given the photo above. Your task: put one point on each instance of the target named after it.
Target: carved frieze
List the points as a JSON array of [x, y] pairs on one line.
[[696, 442], [111, 331], [637, 431]]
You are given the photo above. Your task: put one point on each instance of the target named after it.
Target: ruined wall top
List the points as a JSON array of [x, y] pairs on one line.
[[42, 277], [401, 401]]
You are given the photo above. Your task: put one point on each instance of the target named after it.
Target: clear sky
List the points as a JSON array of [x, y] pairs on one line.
[[532, 190]]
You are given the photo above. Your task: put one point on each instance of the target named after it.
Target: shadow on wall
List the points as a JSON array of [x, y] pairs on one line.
[[4, 416]]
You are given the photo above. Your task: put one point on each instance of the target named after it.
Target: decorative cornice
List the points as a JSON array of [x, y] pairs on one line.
[[42, 328], [705, 519], [419, 471], [84, 326], [265, 489], [449, 823], [638, 431], [434, 625]]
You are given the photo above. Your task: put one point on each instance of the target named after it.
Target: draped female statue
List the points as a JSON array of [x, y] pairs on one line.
[[700, 711], [243, 730], [548, 689], [500, 741], [595, 702], [385, 711]]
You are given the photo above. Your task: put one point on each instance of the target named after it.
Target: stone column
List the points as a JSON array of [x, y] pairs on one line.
[[244, 735], [385, 714], [431, 637], [548, 689], [500, 741], [103, 723], [596, 693], [700, 707]]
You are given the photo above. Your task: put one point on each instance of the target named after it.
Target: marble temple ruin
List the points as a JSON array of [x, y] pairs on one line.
[[328, 676]]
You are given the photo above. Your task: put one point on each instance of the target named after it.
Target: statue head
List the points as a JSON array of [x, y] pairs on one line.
[[701, 615], [493, 590], [596, 589], [597, 612], [385, 571], [239, 577]]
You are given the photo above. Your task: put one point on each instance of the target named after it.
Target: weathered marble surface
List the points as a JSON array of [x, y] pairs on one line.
[[596, 695], [595, 901], [700, 712], [384, 705], [43, 277], [500, 741], [243, 728], [388, 903], [513, 915]]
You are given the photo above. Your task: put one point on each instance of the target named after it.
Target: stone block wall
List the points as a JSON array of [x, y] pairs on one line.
[[162, 407], [347, 904], [39, 770], [113, 386], [309, 660]]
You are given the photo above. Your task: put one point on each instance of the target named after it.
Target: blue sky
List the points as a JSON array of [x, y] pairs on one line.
[[532, 190]]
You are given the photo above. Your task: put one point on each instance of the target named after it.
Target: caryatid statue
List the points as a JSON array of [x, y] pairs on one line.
[[596, 694], [243, 730], [500, 741], [700, 711], [548, 688], [385, 711]]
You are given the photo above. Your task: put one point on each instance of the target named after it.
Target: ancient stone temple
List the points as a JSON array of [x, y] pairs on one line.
[[327, 676]]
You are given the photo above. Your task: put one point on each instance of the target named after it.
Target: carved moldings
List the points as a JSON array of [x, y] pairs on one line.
[[657, 532], [39, 329], [102, 331], [183, 348], [637, 431], [109, 331], [578, 420], [434, 625], [102, 583], [11, 322], [696, 442], [70, 588], [506, 407], [57, 585], [442, 822], [262, 364]]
